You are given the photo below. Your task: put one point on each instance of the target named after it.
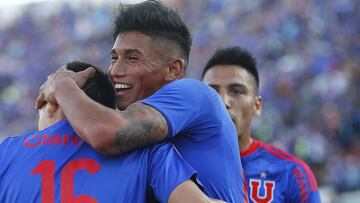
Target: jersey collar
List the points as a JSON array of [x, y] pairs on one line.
[[253, 147]]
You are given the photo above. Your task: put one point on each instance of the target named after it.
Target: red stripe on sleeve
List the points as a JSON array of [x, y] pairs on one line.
[[286, 156]]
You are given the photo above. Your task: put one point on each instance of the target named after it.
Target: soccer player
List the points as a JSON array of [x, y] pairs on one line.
[[148, 61], [55, 165], [272, 174]]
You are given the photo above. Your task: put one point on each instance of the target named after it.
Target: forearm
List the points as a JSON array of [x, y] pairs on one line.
[[109, 131], [93, 122]]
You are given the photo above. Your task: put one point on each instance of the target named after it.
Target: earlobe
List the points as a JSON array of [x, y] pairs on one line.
[[51, 109]]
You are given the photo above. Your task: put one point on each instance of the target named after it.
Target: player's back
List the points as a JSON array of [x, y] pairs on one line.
[[274, 175], [62, 168]]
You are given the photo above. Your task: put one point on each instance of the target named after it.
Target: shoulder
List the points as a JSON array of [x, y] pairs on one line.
[[278, 153], [4, 143], [281, 155], [186, 82], [11, 145], [186, 86], [297, 168], [14, 139], [184, 92]]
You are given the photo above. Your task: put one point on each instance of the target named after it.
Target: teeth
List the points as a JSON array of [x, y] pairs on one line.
[[122, 86]]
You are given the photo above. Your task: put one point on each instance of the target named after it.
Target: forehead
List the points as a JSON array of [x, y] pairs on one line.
[[133, 40], [228, 74]]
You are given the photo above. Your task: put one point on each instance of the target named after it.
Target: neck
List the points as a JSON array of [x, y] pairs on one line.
[[244, 142], [47, 119], [47, 123]]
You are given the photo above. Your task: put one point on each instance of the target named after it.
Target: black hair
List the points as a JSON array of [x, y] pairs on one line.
[[99, 88], [234, 56], [155, 20]]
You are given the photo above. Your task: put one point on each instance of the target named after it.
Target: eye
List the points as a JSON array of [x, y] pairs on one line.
[[132, 59], [237, 91], [114, 58]]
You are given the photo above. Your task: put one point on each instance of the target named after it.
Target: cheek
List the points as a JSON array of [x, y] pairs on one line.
[[142, 79], [111, 68], [109, 71], [139, 70], [244, 107]]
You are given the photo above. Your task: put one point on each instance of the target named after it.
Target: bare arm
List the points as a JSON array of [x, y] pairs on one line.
[[109, 131], [188, 191]]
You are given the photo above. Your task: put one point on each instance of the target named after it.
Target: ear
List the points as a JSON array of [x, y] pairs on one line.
[[51, 110], [175, 70], [257, 106]]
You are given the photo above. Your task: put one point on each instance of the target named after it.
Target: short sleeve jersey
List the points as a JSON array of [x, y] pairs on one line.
[[274, 175], [55, 165], [203, 132]]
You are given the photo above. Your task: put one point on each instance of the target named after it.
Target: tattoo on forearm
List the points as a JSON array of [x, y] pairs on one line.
[[146, 126]]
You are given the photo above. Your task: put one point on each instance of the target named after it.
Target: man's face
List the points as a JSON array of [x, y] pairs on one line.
[[137, 69], [237, 89]]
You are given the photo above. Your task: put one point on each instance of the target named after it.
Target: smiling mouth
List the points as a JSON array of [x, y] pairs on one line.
[[120, 87]]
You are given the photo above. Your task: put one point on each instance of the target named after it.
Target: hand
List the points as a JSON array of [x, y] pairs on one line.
[[55, 80]]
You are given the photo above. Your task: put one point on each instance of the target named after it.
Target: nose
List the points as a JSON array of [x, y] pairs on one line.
[[117, 69], [226, 99]]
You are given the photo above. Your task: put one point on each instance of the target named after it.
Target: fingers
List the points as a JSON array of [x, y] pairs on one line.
[[83, 76], [46, 96], [40, 100], [49, 77], [88, 73], [62, 68]]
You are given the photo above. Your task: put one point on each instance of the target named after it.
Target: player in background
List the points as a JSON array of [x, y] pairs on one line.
[[55, 165], [272, 174], [148, 61]]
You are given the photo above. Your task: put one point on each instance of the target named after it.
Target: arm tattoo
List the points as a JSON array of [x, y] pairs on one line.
[[146, 126]]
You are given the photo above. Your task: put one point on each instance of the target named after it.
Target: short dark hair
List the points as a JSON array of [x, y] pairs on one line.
[[99, 88], [154, 19], [234, 56]]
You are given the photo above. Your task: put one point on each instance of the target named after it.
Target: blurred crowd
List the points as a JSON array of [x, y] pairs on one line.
[[308, 54]]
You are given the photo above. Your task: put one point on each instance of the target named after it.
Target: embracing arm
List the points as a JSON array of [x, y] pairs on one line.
[[108, 131]]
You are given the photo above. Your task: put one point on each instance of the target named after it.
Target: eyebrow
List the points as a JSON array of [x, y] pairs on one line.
[[238, 85], [229, 85], [126, 51]]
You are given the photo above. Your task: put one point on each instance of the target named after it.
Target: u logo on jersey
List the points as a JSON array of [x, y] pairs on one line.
[[255, 191]]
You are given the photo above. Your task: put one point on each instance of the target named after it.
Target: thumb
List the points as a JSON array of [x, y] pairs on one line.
[[88, 73], [85, 75]]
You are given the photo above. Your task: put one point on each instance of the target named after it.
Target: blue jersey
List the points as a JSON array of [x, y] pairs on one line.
[[277, 176], [55, 165], [203, 132]]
